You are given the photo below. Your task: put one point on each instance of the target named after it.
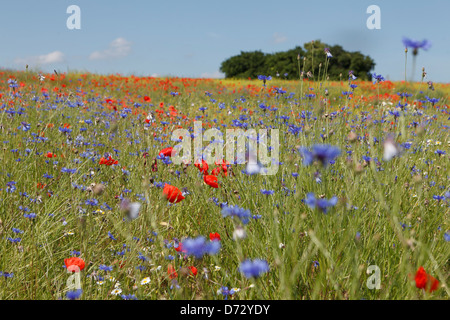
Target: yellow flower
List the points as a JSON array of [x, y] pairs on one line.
[[98, 211]]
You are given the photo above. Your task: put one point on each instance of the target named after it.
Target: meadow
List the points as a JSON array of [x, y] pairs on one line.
[[86, 174]]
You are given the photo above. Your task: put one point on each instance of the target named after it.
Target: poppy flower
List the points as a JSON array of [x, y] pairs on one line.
[[147, 98], [203, 167], [167, 152], [50, 155], [215, 171], [74, 261], [211, 180], [214, 236], [173, 194], [108, 161], [171, 272], [193, 270], [426, 281]]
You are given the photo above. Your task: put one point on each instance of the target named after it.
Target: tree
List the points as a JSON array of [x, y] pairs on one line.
[[312, 58]]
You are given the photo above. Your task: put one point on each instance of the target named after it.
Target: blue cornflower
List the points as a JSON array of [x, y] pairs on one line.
[[14, 240], [416, 45], [267, 192], [226, 292], [351, 76], [440, 152], [321, 204], [264, 79], [328, 53], [30, 215], [74, 294], [378, 78], [25, 126], [6, 274], [321, 152], [294, 174], [198, 247], [105, 267], [128, 297], [253, 269], [91, 202], [395, 113], [12, 83], [438, 198], [15, 230], [67, 170], [447, 236], [235, 211], [111, 236], [11, 187]]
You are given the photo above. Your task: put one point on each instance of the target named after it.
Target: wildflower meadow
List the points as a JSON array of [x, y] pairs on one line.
[[94, 207]]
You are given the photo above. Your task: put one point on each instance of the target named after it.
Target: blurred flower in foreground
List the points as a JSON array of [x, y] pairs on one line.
[[425, 281], [416, 45], [235, 211], [74, 294], [253, 269], [390, 149], [321, 152], [321, 204], [198, 247]]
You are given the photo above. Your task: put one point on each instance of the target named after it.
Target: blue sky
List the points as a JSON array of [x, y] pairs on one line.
[[192, 38]]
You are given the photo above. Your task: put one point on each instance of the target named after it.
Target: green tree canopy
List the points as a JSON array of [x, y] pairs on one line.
[[286, 64]]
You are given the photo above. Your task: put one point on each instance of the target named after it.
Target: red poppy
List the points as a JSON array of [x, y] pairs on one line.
[[180, 248], [50, 155], [202, 167], [74, 261], [215, 171], [147, 98], [193, 270], [173, 194], [171, 272], [167, 152], [108, 161], [214, 236], [211, 181], [426, 281]]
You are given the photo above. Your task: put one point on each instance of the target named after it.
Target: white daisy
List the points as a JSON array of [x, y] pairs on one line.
[[115, 292], [145, 280]]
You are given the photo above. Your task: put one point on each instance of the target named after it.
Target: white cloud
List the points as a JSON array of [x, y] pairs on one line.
[[118, 48], [50, 58], [213, 75], [279, 38]]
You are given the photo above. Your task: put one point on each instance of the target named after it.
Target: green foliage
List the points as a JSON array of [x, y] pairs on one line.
[[312, 58]]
